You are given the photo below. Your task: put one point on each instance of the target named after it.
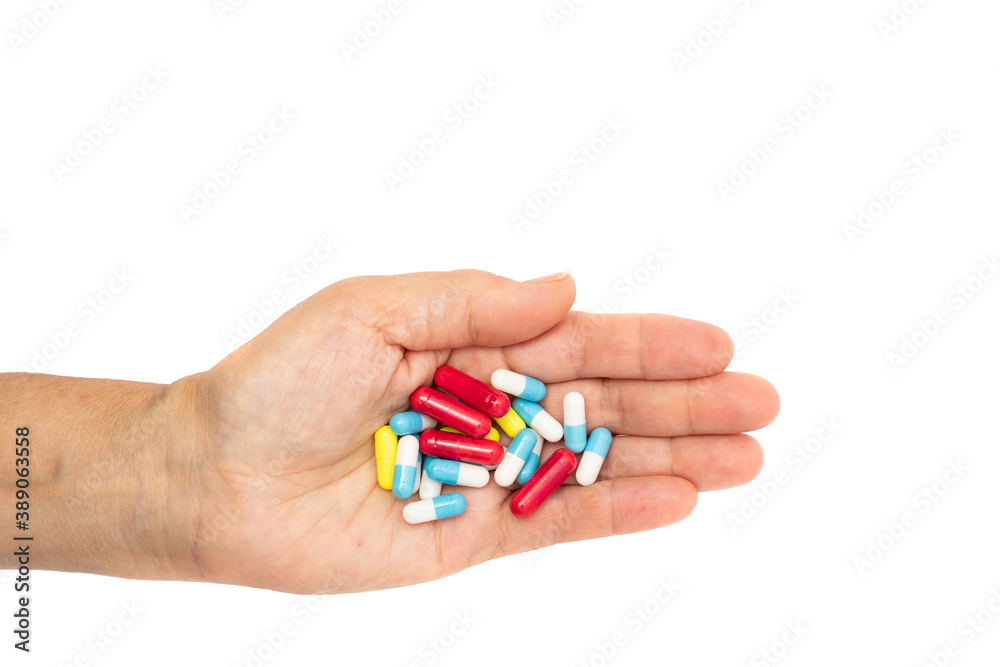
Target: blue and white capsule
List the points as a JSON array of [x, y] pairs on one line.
[[593, 456], [517, 455], [458, 473], [404, 475], [574, 422], [429, 488], [519, 385], [408, 423], [442, 507], [538, 419], [531, 465]]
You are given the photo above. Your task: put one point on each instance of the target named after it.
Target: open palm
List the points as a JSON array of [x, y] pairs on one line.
[[288, 495]]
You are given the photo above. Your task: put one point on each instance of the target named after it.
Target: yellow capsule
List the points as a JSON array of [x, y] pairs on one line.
[[493, 435], [511, 423], [385, 455]]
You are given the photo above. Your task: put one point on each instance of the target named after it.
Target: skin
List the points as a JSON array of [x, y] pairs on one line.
[[260, 472]]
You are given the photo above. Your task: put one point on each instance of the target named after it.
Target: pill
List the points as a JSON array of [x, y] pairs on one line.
[[538, 419], [458, 473], [458, 447], [419, 473], [429, 488], [511, 423], [593, 456], [494, 467], [553, 472], [404, 476], [517, 454], [476, 394], [408, 423], [448, 411], [531, 465], [521, 386], [385, 456], [493, 435], [574, 422], [442, 507]]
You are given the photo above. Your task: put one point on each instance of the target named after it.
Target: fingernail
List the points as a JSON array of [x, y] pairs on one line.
[[549, 279]]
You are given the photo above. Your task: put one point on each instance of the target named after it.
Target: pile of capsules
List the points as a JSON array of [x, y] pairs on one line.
[[467, 447]]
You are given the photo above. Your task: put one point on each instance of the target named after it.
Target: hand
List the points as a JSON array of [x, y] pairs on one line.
[[288, 496]]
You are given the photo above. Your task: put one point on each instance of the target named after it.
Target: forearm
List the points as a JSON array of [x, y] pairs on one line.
[[112, 475]]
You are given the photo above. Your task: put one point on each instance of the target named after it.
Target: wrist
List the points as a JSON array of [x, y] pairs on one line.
[[114, 473]]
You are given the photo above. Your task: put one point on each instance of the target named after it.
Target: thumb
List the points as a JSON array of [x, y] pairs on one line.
[[434, 311]]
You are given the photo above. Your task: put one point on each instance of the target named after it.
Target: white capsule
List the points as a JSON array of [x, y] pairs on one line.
[[574, 422], [404, 479], [420, 463], [593, 456], [538, 419], [517, 453], [429, 488], [522, 386], [458, 473], [442, 507]]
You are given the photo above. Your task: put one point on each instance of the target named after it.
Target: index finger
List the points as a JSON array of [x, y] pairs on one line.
[[648, 346]]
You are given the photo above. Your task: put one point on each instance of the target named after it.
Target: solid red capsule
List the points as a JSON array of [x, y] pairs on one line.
[[457, 447], [450, 412], [477, 394], [549, 477]]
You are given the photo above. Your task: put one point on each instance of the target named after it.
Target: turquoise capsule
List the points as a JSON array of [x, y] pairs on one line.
[[530, 465], [442, 507], [408, 423], [458, 473]]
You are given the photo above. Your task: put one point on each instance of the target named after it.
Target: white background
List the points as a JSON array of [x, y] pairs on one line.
[[855, 298]]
